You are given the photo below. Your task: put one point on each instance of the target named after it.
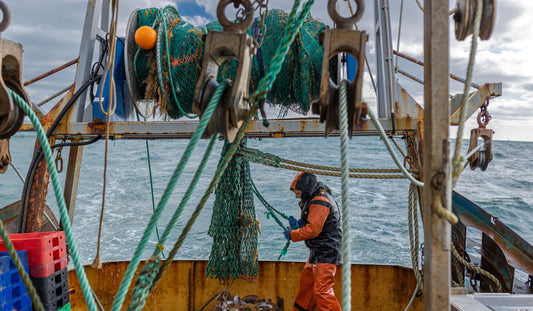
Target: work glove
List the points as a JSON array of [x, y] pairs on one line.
[[287, 234], [293, 222]]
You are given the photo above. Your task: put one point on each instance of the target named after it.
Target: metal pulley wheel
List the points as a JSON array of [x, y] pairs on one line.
[[482, 161], [464, 16]]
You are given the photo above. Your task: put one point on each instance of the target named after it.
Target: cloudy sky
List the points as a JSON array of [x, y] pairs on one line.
[[50, 32]]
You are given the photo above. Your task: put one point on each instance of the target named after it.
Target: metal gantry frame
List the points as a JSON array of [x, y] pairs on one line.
[[393, 101]]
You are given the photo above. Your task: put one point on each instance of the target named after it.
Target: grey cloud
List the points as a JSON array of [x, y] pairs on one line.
[[51, 32]]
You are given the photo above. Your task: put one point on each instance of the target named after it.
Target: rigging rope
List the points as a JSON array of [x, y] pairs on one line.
[[45, 214], [112, 105], [399, 34], [148, 158], [458, 161], [345, 245], [271, 211], [264, 158], [295, 22], [18, 172], [132, 267], [391, 150], [146, 280], [80, 272]]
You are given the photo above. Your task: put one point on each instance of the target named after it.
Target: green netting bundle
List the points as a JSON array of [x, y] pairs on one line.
[[296, 86], [234, 224]]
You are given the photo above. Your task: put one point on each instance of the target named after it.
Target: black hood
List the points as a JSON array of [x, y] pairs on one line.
[[307, 183]]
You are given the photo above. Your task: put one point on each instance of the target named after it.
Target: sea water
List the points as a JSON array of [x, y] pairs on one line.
[[378, 208]]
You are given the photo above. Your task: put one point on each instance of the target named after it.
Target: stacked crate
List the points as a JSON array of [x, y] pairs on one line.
[[13, 293], [47, 259]]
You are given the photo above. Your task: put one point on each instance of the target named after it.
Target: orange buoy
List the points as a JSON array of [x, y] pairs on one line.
[[145, 37]]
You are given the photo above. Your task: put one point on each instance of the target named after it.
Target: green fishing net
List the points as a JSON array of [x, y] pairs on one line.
[[296, 86], [234, 224]]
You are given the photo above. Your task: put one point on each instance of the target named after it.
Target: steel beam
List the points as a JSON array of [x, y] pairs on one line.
[[88, 39], [385, 74], [437, 182], [297, 127]]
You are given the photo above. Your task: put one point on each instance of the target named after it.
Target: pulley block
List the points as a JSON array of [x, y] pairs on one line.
[[11, 116], [219, 122], [343, 39], [232, 43], [464, 18], [482, 157]]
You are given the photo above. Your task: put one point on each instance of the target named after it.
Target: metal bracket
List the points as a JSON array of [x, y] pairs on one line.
[[343, 39], [11, 116], [232, 43]]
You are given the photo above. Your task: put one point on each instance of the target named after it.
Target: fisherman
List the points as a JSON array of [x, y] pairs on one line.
[[320, 228]]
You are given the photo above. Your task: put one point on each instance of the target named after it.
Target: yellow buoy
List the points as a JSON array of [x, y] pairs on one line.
[[145, 37]]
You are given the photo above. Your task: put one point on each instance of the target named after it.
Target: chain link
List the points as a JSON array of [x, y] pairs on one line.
[[262, 6], [484, 115], [59, 159]]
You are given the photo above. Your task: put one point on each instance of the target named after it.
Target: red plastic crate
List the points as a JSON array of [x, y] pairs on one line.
[[42, 271], [46, 256], [38, 241]]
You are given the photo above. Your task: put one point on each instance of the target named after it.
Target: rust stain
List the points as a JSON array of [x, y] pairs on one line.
[[97, 127]]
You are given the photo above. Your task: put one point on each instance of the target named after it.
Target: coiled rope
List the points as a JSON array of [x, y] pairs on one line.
[[80, 272], [477, 269], [413, 234]]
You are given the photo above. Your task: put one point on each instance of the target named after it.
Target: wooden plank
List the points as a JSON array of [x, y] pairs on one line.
[[436, 111]]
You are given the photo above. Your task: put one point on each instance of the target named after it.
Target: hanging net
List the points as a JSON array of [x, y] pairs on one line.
[[234, 225], [168, 72]]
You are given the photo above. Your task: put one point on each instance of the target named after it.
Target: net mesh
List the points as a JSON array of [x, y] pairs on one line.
[[234, 225], [296, 86]]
